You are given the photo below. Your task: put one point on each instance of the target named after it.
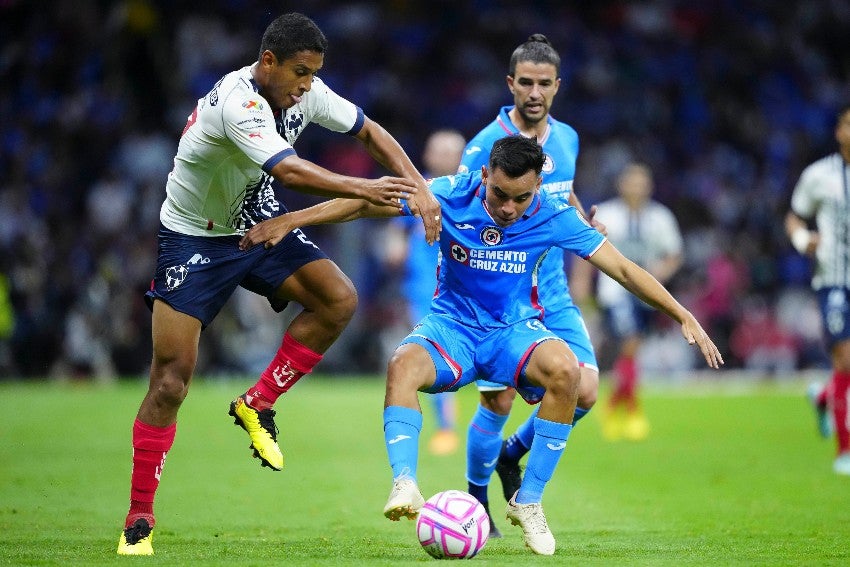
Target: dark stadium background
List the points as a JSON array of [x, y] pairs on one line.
[[727, 101]]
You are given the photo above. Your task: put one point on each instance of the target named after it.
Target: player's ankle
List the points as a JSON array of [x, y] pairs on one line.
[[255, 399]]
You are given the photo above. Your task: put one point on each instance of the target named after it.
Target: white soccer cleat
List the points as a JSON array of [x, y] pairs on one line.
[[842, 464], [535, 530], [405, 500]]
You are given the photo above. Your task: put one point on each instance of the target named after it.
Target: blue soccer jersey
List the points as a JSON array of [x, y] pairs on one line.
[[560, 145], [489, 275]]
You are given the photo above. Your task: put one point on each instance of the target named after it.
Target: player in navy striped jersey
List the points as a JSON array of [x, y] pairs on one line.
[[486, 320], [533, 79], [237, 139], [823, 194]]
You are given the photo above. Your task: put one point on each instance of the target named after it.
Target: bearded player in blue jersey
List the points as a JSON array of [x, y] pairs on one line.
[[486, 320], [533, 79]]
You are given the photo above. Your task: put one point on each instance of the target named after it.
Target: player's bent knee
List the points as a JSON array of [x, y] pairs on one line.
[[500, 401], [410, 367]]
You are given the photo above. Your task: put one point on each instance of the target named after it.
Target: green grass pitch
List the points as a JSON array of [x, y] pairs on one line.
[[727, 477]]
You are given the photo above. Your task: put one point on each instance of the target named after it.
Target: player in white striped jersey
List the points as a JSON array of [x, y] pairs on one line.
[[236, 140], [647, 233], [822, 194]]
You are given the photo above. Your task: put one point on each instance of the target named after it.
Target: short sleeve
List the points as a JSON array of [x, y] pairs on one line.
[[249, 123]]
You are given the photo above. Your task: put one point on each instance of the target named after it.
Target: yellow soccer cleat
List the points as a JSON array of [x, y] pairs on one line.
[[262, 430], [137, 539]]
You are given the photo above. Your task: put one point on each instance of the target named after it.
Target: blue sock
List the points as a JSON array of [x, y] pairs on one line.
[[517, 444], [401, 435], [550, 439], [484, 441], [580, 413]]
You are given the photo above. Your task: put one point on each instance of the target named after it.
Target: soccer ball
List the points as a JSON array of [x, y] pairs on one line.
[[452, 525]]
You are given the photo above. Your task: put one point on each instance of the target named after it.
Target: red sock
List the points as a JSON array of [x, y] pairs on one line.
[[625, 369], [292, 361], [150, 446], [840, 390]]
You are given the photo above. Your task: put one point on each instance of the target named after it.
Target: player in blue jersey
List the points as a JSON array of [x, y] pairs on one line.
[[486, 320], [236, 141], [533, 80], [406, 246]]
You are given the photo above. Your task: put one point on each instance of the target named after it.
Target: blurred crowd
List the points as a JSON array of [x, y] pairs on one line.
[[726, 100]]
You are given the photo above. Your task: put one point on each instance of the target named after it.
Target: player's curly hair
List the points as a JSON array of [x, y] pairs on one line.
[[536, 49], [517, 155], [290, 33]]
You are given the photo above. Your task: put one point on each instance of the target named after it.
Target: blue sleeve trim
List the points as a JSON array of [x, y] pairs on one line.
[[358, 123], [276, 159]]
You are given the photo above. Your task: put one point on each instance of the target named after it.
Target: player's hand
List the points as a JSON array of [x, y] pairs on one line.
[[389, 191], [269, 232], [695, 334], [594, 222], [426, 206]]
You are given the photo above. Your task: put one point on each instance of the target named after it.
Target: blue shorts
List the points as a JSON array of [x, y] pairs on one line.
[[462, 354], [569, 326], [196, 275], [835, 312]]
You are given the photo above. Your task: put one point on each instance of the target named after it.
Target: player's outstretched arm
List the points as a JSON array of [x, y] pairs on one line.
[[272, 231], [641, 283], [307, 177], [389, 153]]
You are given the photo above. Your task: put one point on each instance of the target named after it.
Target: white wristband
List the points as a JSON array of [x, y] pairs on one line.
[[800, 239]]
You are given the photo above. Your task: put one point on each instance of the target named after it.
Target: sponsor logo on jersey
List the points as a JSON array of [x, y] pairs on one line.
[[252, 105], [548, 164], [504, 261], [255, 135], [473, 150], [459, 253], [491, 236], [464, 226]]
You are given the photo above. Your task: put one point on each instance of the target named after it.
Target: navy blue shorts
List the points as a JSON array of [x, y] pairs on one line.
[[835, 311], [196, 275], [628, 317]]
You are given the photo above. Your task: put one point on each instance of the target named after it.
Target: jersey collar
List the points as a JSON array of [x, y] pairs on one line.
[[504, 122]]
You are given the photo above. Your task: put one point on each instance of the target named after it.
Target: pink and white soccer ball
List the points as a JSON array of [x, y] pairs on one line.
[[452, 525]]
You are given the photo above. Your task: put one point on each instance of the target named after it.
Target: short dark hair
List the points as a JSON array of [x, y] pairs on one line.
[[536, 49], [841, 112], [290, 33], [517, 155]]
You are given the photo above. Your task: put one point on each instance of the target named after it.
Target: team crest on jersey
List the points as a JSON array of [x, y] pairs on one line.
[[491, 236], [293, 123], [548, 164], [459, 253], [252, 105]]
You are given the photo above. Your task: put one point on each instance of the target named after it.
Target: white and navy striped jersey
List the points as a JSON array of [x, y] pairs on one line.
[[220, 184], [643, 236], [823, 193]]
